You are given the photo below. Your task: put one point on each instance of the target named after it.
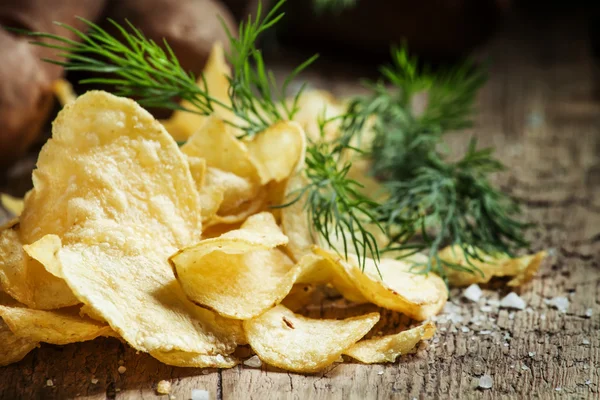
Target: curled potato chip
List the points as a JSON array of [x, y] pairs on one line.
[[521, 269], [294, 220], [239, 274], [296, 343], [127, 201], [183, 124], [13, 348], [12, 204], [278, 151], [62, 326], [387, 348], [392, 285], [315, 106], [187, 359], [63, 90], [299, 296]]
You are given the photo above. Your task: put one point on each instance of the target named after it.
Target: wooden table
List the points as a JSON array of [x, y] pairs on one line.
[[539, 111]]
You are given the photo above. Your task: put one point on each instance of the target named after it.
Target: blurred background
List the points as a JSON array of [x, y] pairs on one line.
[[352, 36]]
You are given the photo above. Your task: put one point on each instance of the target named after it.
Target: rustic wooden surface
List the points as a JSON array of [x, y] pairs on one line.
[[540, 112]]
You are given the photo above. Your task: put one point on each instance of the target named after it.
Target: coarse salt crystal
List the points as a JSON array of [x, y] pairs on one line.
[[588, 382], [253, 362], [163, 387], [511, 315], [493, 303], [543, 317], [473, 293], [589, 312], [558, 389], [486, 382], [561, 303], [532, 354], [199, 394], [486, 308], [585, 341], [464, 329], [380, 373], [512, 300], [485, 332]]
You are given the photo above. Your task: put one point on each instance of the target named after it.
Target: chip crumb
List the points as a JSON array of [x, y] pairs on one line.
[[121, 369], [163, 387], [49, 382], [589, 312], [473, 293], [561, 303], [199, 394], [253, 362], [513, 300], [486, 382], [94, 381]]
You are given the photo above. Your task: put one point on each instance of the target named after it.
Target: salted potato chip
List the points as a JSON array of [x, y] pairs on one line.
[[315, 106], [63, 90], [13, 348], [61, 327], [387, 348], [392, 285], [521, 269], [183, 124], [123, 200], [300, 295], [294, 219], [278, 151], [12, 204], [187, 359], [240, 274], [296, 343]]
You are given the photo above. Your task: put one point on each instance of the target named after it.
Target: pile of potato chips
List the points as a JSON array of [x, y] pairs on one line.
[[178, 252]]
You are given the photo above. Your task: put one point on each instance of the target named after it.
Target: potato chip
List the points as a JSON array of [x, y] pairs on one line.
[[61, 327], [187, 359], [239, 274], [521, 269], [12, 204], [315, 106], [24, 278], [183, 124], [299, 296], [392, 285], [278, 151], [124, 201], [13, 348], [294, 220], [296, 343], [63, 90], [382, 349]]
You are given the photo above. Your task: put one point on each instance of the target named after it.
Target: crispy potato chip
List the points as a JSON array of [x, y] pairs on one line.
[[24, 278], [63, 90], [62, 326], [294, 220], [299, 296], [398, 289], [12, 204], [296, 343], [13, 348], [522, 269], [183, 124], [239, 274], [315, 106], [187, 359], [124, 201], [387, 348], [278, 151]]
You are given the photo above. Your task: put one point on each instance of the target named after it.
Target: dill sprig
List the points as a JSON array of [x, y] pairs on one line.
[[141, 69]]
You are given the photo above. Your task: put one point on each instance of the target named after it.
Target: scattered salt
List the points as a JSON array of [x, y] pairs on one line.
[[486, 308], [493, 303], [464, 329], [532, 354], [485, 332], [49, 382], [253, 362], [561, 303], [94, 381], [511, 315], [589, 312], [486, 382], [505, 344], [380, 373], [558, 389], [473, 293], [121, 369], [588, 382], [163, 387], [585, 341], [512, 300], [524, 367], [543, 317], [199, 394]]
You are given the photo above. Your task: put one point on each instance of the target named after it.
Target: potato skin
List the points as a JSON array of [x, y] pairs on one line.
[[25, 80], [190, 27]]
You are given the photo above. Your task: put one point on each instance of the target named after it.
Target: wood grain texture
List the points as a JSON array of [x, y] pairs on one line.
[[539, 111]]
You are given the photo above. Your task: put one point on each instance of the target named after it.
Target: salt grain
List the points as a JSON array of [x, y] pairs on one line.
[[485, 332], [588, 313], [558, 389], [473, 293], [588, 382], [532, 354], [380, 373], [511, 315], [493, 303], [486, 308], [512, 300], [198, 394], [464, 329], [585, 341], [253, 362], [486, 382], [561, 303]]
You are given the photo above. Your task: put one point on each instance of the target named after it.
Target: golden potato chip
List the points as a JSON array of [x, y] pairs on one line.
[[12, 204], [122, 202], [416, 295], [234, 191], [239, 274], [62, 326], [24, 278], [183, 124], [294, 220], [296, 343], [13, 348], [299, 296], [278, 151], [187, 359], [240, 213], [315, 106], [63, 90], [521, 269], [382, 349]]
